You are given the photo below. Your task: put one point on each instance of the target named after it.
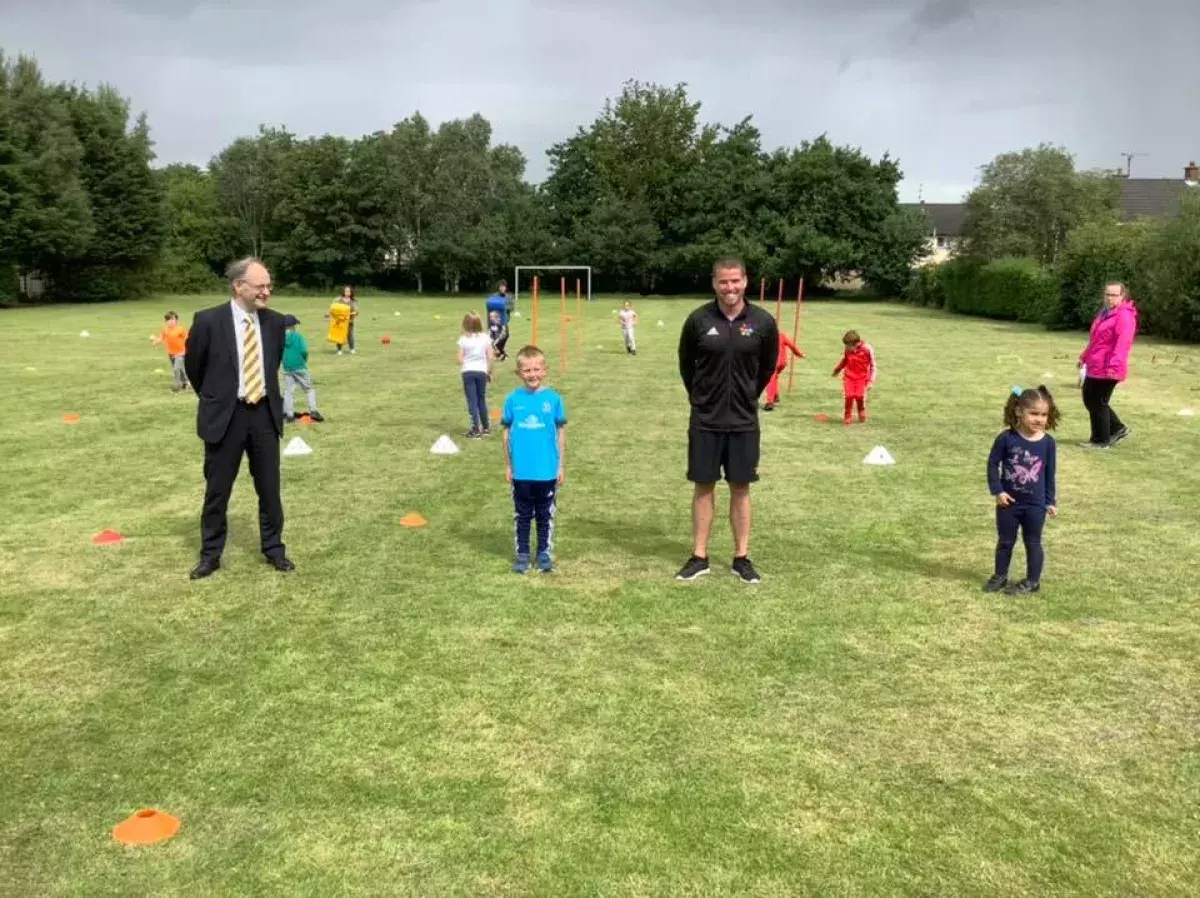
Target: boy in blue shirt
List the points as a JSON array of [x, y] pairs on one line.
[[534, 446]]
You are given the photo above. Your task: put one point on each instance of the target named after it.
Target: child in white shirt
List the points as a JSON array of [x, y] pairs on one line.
[[475, 361]]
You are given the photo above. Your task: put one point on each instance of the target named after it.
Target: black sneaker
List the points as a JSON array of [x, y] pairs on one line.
[[995, 584], [1023, 588], [316, 416], [1118, 436], [486, 432], [769, 407], [695, 567], [472, 434], [744, 570]]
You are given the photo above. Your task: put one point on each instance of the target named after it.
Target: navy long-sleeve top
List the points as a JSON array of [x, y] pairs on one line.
[[1025, 469]]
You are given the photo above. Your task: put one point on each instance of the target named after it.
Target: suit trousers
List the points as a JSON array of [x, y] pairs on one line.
[[252, 433]]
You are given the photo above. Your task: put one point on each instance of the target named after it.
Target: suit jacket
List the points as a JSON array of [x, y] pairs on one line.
[[211, 363]]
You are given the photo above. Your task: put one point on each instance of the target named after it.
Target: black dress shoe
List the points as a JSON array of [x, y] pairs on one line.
[[281, 563], [206, 568]]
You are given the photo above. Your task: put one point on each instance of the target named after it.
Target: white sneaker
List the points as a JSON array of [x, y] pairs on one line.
[[339, 352], [353, 352]]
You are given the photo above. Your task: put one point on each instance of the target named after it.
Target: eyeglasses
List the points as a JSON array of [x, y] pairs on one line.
[[256, 286]]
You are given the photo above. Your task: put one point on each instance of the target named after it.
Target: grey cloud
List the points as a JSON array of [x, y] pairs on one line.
[[944, 85]]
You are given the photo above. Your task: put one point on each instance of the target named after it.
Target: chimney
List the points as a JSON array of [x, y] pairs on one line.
[[1191, 172]]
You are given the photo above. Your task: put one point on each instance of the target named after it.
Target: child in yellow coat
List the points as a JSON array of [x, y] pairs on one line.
[[339, 323]]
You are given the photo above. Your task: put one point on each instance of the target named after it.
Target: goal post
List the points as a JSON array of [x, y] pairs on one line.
[[585, 275]]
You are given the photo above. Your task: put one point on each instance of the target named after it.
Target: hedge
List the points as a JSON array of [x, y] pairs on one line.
[[1012, 289]]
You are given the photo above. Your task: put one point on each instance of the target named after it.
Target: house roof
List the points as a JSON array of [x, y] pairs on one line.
[[945, 219], [1151, 197]]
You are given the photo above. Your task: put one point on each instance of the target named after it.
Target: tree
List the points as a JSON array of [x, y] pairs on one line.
[[249, 176], [1027, 203], [201, 238], [900, 242], [126, 199]]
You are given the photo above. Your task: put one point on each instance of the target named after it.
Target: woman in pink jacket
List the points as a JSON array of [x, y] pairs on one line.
[[1105, 363]]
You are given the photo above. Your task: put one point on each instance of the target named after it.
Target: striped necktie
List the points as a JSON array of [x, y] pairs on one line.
[[251, 366]]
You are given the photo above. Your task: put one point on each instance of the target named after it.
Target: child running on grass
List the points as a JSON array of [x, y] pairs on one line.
[[498, 334], [475, 363], [535, 444], [858, 365], [628, 319], [174, 337], [1021, 476], [295, 372]]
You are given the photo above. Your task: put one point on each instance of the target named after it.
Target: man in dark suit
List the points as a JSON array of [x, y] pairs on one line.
[[232, 360]]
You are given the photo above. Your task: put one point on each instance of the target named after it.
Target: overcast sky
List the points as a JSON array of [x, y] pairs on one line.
[[943, 85]]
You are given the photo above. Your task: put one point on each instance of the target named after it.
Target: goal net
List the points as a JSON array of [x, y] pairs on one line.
[[550, 280]]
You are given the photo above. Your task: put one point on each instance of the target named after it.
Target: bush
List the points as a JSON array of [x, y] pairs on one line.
[[1097, 254], [1010, 289], [924, 287], [1167, 288]]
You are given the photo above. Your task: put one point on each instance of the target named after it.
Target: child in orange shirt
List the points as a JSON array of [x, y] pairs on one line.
[[174, 335]]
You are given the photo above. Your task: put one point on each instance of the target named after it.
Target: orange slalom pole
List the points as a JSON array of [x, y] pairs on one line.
[[562, 324], [796, 334], [578, 318], [779, 303], [533, 336]]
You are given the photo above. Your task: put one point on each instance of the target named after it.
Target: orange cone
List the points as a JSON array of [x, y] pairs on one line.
[[146, 827], [304, 420], [412, 519], [385, 339], [70, 418], [822, 418], [107, 537], [495, 414]]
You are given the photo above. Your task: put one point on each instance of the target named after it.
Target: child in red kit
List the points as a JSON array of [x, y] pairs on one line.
[[785, 345], [857, 368]]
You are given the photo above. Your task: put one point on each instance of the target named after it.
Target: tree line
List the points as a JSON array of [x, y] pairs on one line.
[[1042, 238], [646, 193]]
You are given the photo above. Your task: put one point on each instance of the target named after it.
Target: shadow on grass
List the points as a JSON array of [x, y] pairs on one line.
[[934, 569], [618, 536]]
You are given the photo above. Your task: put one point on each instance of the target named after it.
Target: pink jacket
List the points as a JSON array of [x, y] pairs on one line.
[[1107, 352]]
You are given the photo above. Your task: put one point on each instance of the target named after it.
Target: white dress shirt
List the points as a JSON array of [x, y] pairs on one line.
[[240, 317]]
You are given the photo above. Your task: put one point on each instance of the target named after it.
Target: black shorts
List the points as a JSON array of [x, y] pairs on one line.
[[710, 451]]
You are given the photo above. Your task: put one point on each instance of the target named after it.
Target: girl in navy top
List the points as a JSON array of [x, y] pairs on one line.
[[1021, 475]]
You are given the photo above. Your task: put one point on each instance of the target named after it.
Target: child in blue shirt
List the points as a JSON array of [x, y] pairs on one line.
[[1021, 476], [534, 445]]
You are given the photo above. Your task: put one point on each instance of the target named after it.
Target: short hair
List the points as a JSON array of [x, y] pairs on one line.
[[169, 316], [472, 323], [236, 271], [528, 353], [503, 283], [729, 262], [1121, 284]]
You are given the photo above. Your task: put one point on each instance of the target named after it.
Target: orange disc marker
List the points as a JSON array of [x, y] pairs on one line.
[[412, 519], [822, 417], [107, 537], [495, 414], [385, 339], [71, 418], [146, 827]]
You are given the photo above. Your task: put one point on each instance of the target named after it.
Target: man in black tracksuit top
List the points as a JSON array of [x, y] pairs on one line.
[[727, 354]]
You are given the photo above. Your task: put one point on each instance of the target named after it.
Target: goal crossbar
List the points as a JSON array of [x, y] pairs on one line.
[[519, 268]]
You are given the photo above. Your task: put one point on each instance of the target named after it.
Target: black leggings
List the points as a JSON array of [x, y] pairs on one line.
[[1097, 392], [1030, 519]]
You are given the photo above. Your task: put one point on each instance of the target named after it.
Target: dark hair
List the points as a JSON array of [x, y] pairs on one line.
[[1018, 402], [851, 338], [169, 316], [350, 288], [729, 262]]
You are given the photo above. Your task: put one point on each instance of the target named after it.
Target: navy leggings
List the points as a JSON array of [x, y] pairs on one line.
[[1030, 519], [475, 386]]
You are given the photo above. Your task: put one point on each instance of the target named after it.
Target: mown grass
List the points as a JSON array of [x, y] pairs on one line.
[[402, 716]]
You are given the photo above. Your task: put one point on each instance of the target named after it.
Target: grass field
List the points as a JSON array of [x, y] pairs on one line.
[[402, 716]]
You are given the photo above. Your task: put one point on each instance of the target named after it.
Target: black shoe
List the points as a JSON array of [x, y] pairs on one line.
[[695, 567], [281, 563], [486, 432], [769, 407], [744, 570], [206, 568], [1118, 436], [316, 416], [1023, 588], [472, 434], [995, 584]]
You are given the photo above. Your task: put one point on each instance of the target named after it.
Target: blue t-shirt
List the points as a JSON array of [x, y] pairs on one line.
[[1025, 469], [533, 420], [498, 303]]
